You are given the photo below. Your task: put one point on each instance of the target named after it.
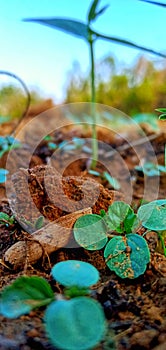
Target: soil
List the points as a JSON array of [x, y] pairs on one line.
[[135, 309]]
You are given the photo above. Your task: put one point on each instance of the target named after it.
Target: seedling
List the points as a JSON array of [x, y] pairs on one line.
[[6, 219], [84, 31], [62, 315], [7, 144], [106, 176], [126, 254], [36, 225], [162, 112], [75, 143], [151, 169]]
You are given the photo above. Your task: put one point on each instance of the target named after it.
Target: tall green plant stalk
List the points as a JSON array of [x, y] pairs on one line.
[[93, 105], [84, 31]]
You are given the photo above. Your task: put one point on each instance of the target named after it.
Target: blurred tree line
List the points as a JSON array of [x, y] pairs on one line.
[[138, 89]]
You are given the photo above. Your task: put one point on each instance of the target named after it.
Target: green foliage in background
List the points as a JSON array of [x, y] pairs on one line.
[[13, 101], [140, 88]]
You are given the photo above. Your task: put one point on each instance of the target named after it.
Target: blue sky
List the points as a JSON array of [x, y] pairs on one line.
[[42, 56]]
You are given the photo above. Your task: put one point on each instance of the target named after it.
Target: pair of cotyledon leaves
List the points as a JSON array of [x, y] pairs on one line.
[[80, 319]]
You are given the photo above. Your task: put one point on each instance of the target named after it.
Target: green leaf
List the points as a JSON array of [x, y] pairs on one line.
[[103, 9], [154, 3], [117, 212], [23, 295], [128, 43], [131, 221], [90, 232], [111, 180], [52, 145], [69, 26], [162, 117], [75, 324], [93, 172], [92, 10], [3, 173], [149, 169], [93, 13], [5, 218], [75, 273], [162, 110], [162, 168], [39, 222], [127, 256], [153, 215]]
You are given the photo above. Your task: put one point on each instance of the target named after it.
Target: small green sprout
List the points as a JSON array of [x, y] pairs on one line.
[[126, 254], [48, 138], [52, 145], [151, 169], [39, 222], [6, 219], [36, 225], [106, 176], [63, 312], [111, 180], [8, 143], [3, 174], [121, 218], [162, 112]]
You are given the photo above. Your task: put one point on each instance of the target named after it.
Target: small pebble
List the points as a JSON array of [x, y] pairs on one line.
[[33, 333]]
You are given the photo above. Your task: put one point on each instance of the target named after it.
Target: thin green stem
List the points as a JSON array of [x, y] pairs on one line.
[[93, 106], [126, 43], [162, 243]]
